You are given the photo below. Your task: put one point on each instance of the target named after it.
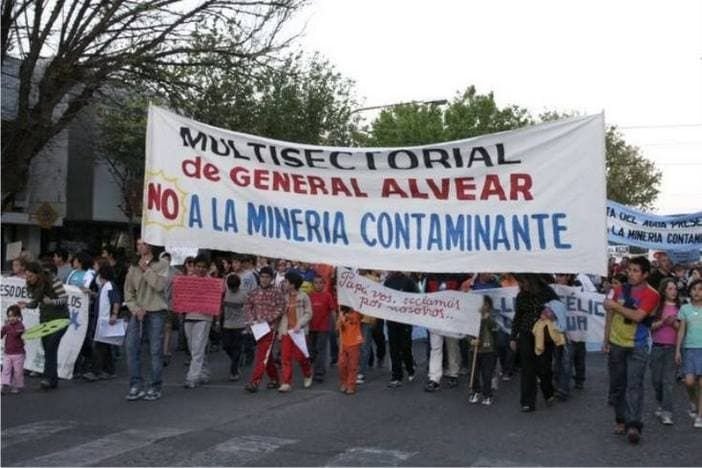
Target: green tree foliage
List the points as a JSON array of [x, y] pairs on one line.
[[631, 178]]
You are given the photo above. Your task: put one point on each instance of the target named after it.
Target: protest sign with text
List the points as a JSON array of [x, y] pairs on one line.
[[585, 314], [628, 226], [452, 312], [526, 200], [14, 290], [197, 294]]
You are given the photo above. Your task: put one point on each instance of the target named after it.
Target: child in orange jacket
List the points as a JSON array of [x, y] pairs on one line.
[[351, 339]]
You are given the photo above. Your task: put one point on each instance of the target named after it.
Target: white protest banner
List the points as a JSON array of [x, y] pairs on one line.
[[585, 313], [626, 225], [13, 290], [452, 312], [530, 200]]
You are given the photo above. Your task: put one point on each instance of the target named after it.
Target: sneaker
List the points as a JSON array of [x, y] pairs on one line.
[[488, 401], [528, 409], [474, 398], [342, 389], [692, 411], [90, 376], [152, 394], [360, 379], [234, 377], [285, 388], [495, 383], [658, 413], [506, 377], [432, 386], [350, 391], [45, 384], [666, 419], [14, 390], [410, 377], [251, 387], [272, 385], [135, 393], [633, 435], [189, 384], [698, 423], [452, 382], [307, 382], [106, 376], [394, 384]]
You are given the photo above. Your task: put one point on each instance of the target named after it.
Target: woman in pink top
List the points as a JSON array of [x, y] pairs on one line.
[[664, 332]]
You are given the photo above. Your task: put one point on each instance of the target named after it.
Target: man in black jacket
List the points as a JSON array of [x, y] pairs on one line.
[[400, 334]]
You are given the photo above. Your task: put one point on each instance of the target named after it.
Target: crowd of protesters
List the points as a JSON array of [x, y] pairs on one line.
[[654, 321]]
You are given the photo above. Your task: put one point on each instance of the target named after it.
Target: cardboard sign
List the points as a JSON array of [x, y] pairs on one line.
[[195, 294]]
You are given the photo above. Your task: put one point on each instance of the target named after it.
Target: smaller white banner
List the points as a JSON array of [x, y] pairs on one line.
[[445, 311], [14, 290]]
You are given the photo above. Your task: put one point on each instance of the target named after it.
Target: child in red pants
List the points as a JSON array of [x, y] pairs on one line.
[[13, 360], [351, 339]]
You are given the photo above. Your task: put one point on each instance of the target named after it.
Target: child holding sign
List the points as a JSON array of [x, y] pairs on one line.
[[13, 359]]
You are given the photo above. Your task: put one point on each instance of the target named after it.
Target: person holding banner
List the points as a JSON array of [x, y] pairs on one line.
[[197, 331], [264, 306], [533, 295], [400, 334], [144, 295], [298, 313], [627, 332], [47, 293]]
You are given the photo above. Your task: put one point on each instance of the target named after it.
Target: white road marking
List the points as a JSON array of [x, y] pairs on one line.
[[237, 451], [366, 456], [34, 431], [109, 446]]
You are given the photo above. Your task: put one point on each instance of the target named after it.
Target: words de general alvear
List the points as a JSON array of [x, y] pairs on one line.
[[511, 186]]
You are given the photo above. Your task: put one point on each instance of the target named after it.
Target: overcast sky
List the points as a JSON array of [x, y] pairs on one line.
[[639, 61]]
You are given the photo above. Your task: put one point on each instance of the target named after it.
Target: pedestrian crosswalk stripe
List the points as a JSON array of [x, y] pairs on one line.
[[109, 446], [239, 451], [368, 456], [34, 431]]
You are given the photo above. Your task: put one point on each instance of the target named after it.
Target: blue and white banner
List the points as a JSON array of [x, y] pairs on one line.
[[628, 226], [530, 200]]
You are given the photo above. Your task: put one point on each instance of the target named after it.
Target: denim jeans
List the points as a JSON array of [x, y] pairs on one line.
[[366, 347], [578, 355], [51, 343], [663, 375], [627, 369], [319, 342], [150, 330], [562, 370]]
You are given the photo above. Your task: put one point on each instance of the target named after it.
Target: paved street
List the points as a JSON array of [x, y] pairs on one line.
[[86, 424]]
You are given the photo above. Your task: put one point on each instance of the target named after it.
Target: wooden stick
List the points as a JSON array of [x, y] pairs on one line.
[[472, 367]]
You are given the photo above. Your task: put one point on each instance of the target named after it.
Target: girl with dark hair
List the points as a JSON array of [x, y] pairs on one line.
[[82, 275], [533, 294], [47, 293], [664, 333]]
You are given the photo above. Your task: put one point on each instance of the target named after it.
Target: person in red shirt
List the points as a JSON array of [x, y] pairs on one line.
[[323, 311]]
